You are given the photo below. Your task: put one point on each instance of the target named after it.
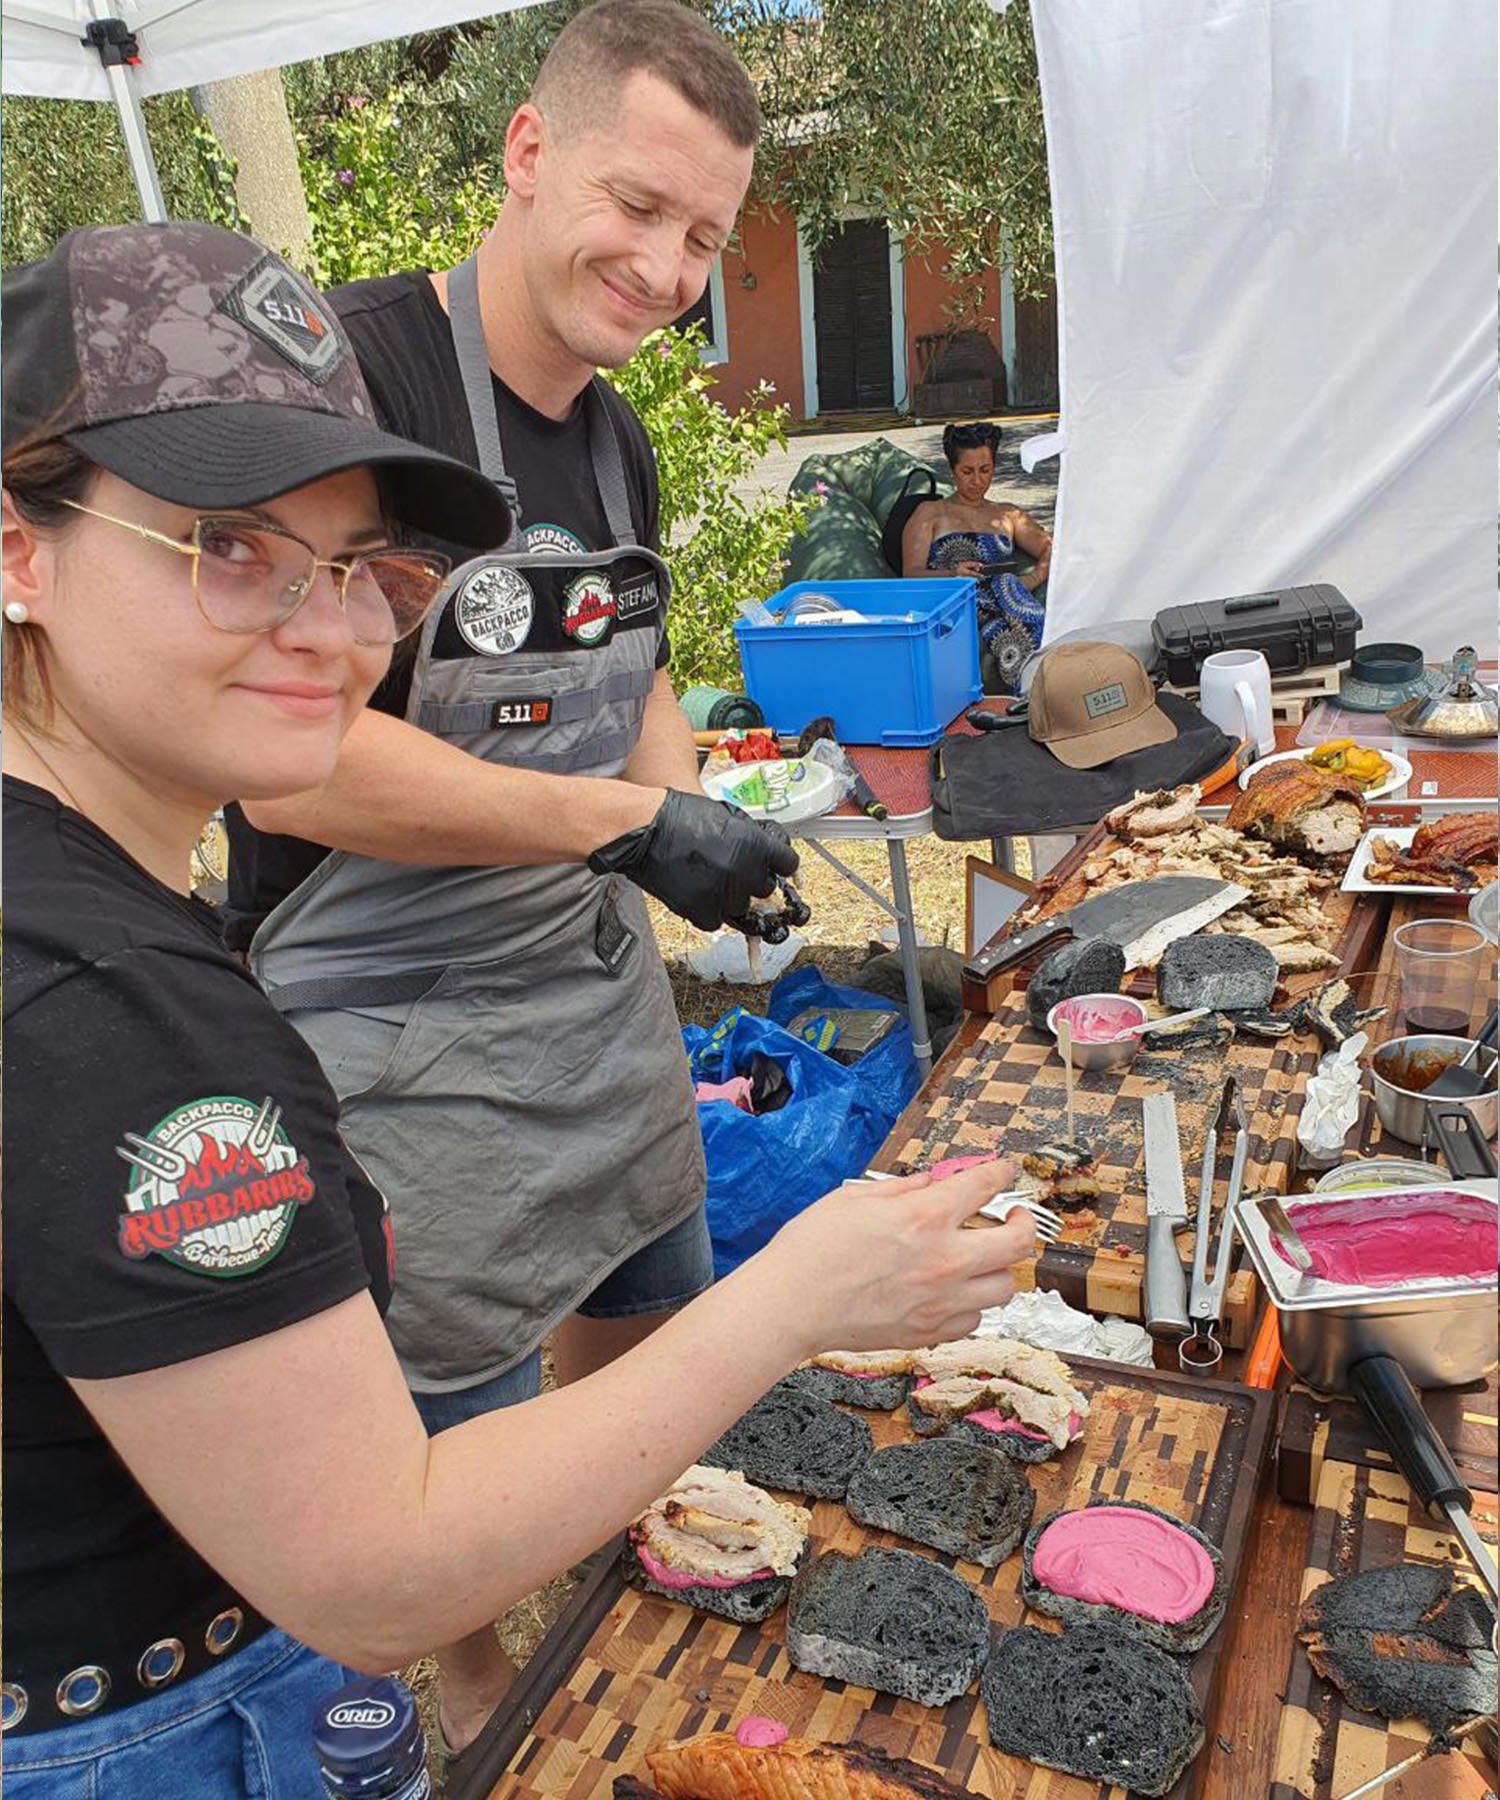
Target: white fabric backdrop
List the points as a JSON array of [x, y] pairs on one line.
[[1276, 301], [185, 42]]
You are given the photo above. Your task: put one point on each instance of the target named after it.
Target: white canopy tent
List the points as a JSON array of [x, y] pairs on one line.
[[1276, 307], [144, 47]]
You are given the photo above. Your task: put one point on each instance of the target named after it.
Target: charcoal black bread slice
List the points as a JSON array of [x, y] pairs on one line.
[[746, 1603], [1014, 1444], [1405, 1642], [1084, 966], [890, 1620], [1222, 971], [958, 1497], [876, 1393], [1184, 1637], [794, 1441], [1092, 1702]]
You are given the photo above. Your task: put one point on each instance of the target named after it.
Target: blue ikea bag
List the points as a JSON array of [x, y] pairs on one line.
[[764, 1169]]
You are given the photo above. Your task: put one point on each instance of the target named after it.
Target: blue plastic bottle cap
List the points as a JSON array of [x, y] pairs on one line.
[[368, 1740]]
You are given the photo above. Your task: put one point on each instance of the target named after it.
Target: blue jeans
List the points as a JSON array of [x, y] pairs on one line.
[[670, 1271], [239, 1731]]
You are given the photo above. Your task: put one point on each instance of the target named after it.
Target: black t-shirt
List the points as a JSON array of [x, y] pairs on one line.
[[174, 1183], [405, 347]]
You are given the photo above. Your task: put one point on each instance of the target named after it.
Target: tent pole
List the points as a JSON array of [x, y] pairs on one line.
[[119, 53]]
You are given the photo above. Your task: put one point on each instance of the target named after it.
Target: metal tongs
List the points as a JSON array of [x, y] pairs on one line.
[[1200, 1351]]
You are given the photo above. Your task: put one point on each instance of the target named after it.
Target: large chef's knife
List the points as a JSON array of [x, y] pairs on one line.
[[1165, 1293], [1143, 917]]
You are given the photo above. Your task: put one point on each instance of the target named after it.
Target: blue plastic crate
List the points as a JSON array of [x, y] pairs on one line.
[[899, 680]]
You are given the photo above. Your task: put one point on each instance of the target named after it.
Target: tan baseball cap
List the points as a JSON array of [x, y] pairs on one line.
[[1091, 702]]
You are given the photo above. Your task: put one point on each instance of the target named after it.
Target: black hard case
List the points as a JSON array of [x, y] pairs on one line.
[[1295, 628]]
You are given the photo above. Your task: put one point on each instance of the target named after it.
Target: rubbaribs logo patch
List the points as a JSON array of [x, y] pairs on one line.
[[286, 315], [216, 1187], [494, 609], [588, 609]]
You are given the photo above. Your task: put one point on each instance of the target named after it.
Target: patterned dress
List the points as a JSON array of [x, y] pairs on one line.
[[1010, 616]]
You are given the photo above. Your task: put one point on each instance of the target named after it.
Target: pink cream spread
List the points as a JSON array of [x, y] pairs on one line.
[[993, 1420], [1116, 1556], [951, 1165], [1099, 1021], [1380, 1240], [678, 1578], [760, 1733]]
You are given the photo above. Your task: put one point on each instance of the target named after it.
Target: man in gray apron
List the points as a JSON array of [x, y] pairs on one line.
[[473, 962]]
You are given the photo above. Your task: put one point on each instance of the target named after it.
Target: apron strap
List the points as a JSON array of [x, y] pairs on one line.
[[609, 464], [474, 368]]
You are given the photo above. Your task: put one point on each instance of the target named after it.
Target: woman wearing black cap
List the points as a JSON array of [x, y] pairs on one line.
[[206, 1429], [967, 533]]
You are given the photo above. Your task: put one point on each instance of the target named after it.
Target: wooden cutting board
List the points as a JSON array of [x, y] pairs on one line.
[[621, 1671], [1366, 1518], [1316, 1430], [1003, 1093], [1000, 1089]]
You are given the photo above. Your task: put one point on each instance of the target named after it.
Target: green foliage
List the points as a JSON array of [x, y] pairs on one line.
[[376, 205], [65, 166], [926, 112], [723, 549]]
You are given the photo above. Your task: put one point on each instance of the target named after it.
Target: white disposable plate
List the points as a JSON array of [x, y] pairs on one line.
[[1355, 881], [1399, 776], [813, 789]]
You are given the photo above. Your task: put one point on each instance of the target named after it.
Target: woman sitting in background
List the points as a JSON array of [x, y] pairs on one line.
[[966, 533]]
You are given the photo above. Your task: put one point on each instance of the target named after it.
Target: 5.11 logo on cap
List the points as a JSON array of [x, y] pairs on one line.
[[272, 303]]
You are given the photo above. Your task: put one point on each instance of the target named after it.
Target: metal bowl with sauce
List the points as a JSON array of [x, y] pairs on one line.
[[1405, 1067]]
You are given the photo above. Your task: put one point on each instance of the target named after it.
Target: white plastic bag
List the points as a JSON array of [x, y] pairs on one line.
[[1330, 1109]]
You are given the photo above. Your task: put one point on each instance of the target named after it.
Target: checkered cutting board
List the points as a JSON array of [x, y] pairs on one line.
[[1366, 1518], [1005, 1094], [622, 1672]]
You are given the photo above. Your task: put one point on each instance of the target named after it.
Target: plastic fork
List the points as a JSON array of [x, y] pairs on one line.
[[1049, 1225]]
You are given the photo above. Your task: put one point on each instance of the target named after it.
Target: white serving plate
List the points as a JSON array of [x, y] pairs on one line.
[[814, 790], [1355, 882], [1394, 782]]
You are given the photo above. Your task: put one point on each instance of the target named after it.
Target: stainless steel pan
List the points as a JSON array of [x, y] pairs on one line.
[[1375, 1342]]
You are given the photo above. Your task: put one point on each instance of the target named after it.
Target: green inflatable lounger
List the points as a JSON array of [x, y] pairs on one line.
[[868, 495]]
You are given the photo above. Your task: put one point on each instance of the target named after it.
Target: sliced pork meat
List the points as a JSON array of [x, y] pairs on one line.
[[712, 1524]]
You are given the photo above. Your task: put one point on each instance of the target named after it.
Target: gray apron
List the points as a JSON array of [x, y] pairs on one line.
[[503, 1041]]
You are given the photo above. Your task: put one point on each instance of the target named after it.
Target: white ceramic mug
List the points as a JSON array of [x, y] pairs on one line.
[[1234, 690]]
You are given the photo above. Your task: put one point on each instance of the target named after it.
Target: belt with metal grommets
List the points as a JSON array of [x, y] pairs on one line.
[[29, 1704]]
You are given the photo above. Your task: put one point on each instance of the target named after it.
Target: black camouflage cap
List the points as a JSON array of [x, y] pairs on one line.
[[197, 365]]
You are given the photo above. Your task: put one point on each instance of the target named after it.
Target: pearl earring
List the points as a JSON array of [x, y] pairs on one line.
[[15, 612]]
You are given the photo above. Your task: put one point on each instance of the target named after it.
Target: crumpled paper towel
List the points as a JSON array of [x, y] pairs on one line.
[[1043, 1318], [1330, 1108]]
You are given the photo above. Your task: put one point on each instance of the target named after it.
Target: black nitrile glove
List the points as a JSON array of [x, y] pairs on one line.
[[700, 857]]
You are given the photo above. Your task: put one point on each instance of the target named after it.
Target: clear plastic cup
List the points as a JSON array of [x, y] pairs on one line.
[[1441, 966]]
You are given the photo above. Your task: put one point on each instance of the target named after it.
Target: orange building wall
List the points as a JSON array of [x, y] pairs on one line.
[[927, 295], [764, 324], [765, 340]]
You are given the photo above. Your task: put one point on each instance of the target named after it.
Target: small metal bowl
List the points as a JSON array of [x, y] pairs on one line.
[[1403, 1111], [1102, 1056]]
